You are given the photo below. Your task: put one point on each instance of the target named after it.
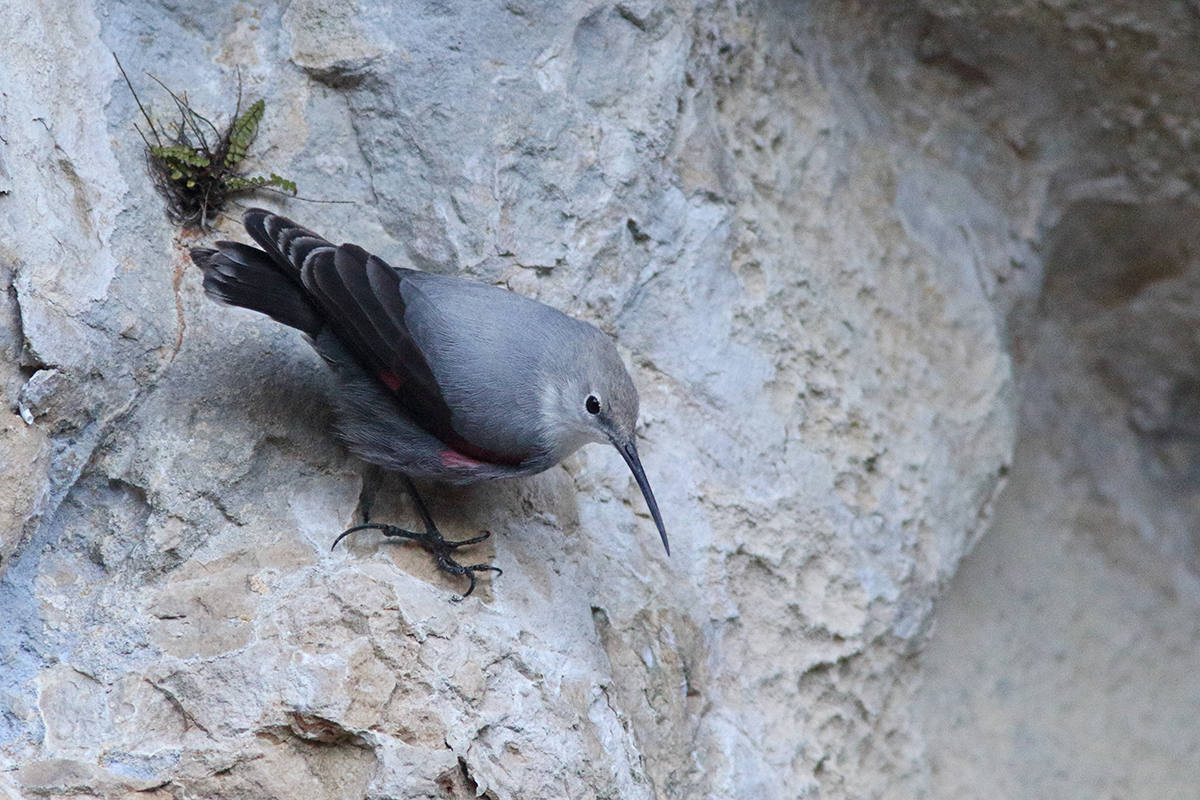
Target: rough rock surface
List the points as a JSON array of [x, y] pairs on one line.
[[816, 232]]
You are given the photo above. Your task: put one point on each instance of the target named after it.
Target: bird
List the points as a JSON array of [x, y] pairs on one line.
[[437, 377]]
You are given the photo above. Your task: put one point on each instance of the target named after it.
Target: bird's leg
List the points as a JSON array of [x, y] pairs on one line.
[[431, 540]]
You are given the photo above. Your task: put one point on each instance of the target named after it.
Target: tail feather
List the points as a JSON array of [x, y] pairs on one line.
[[240, 275]]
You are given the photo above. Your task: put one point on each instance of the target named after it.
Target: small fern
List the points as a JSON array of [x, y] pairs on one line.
[[242, 133], [272, 181], [196, 166]]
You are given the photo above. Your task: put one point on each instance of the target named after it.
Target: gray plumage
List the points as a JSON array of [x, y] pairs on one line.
[[439, 377]]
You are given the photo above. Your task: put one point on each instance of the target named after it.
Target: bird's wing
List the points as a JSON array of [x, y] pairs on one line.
[[287, 243], [361, 297]]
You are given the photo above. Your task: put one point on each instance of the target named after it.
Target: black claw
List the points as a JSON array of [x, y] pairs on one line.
[[482, 537], [348, 531], [431, 540], [435, 545], [462, 569]]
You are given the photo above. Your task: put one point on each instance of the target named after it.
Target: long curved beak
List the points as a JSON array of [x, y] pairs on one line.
[[629, 453]]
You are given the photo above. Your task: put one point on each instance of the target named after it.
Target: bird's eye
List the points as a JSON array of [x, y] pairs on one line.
[[593, 404]]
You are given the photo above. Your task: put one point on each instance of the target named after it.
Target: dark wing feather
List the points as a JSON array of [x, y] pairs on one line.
[[391, 317], [287, 243], [347, 307]]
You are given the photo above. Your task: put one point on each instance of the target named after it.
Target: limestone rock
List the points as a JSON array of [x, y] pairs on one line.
[[813, 232]]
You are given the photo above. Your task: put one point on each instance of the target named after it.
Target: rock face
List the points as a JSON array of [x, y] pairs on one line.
[[814, 231]]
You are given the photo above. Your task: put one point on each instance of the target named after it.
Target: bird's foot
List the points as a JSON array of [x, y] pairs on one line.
[[435, 545]]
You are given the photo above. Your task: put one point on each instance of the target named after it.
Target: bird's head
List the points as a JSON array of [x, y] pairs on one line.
[[599, 403]]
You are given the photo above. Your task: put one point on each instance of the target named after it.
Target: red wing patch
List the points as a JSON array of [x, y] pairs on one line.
[[456, 460], [391, 380]]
